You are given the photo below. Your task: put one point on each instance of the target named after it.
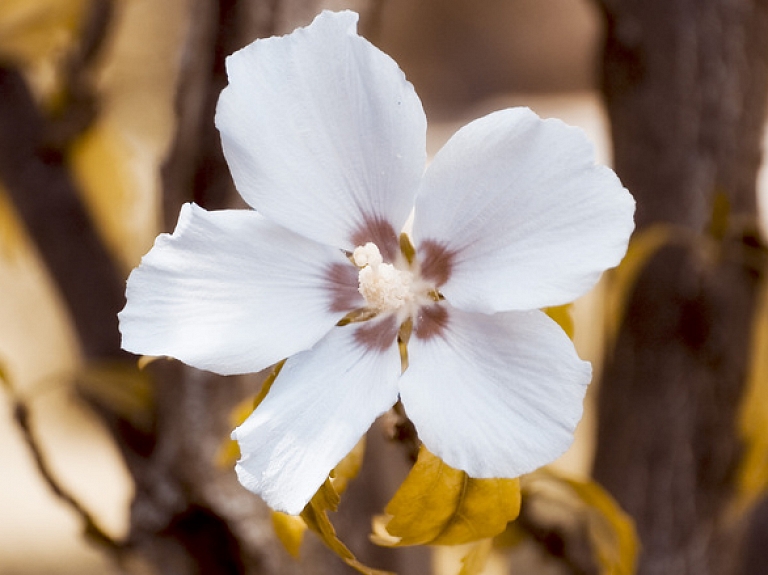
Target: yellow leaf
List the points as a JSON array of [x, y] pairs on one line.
[[113, 169], [145, 360], [721, 215], [513, 535], [4, 379], [12, 235], [33, 29], [476, 559], [611, 531], [290, 531], [753, 417], [563, 315], [348, 468], [315, 515], [289, 528], [122, 387], [230, 452], [439, 505], [621, 280], [117, 161]]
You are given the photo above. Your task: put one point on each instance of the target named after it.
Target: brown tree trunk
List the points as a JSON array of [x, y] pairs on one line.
[[686, 85]]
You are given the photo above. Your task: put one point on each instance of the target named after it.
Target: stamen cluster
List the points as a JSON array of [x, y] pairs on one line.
[[384, 287]]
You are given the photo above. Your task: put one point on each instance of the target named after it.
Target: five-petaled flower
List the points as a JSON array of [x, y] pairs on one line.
[[326, 141]]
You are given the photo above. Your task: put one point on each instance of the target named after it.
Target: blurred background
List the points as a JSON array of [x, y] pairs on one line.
[[112, 100]]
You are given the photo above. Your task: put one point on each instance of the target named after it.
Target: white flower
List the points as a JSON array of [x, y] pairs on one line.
[[326, 139]]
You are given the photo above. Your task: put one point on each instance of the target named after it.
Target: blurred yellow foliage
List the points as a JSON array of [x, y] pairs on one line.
[[230, 452], [440, 505], [753, 419], [32, 30], [611, 532], [290, 531], [474, 562], [117, 161], [563, 315], [621, 280], [348, 468], [11, 232], [123, 388], [315, 515]]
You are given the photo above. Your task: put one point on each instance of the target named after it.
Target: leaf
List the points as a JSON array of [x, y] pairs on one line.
[[31, 31], [117, 161], [289, 528], [611, 531], [476, 559], [115, 178], [230, 451], [439, 505], [5, 381], [145, 360], [12, 235], [621, 280], [721, 215], [315, 514], [563, 315], [290, 531], [752, 479], [122, 388], [348, 468]]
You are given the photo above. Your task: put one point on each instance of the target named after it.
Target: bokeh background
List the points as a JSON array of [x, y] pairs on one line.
[[465, 58]]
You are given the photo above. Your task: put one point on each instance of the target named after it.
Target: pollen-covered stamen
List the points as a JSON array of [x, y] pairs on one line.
[[384, 287]]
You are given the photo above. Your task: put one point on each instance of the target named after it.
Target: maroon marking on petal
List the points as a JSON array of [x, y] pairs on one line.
[[380, 232], [431, 321], [377, 335], [342, 283], [436, 261]]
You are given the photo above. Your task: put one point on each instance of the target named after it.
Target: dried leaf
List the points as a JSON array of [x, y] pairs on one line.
[[721, 215], [230, 452], [11, 232], [563, 315], [290, 531], [145, 360], [288, 528], [5, 381], [117, 161], [122, 388], [476, 559], [315, 515], [439, 505], [33, 29], [611, 531], [348, 468], [622, 279], [752, 479], [113, 173]]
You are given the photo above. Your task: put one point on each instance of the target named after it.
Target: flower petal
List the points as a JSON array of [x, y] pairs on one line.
[[494, 395], [232, 292], [514, 214], [321, 403], [322, 132]]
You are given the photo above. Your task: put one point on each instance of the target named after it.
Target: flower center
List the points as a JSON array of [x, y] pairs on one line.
[[384, 287]]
